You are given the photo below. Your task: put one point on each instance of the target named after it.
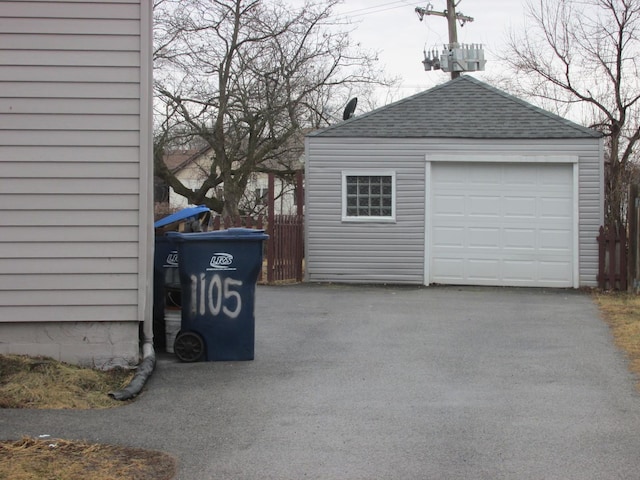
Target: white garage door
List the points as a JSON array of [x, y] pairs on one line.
[[501, 224]]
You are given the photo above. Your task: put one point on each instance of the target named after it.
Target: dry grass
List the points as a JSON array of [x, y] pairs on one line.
[[622, 312], [31, 459], [39, 382]]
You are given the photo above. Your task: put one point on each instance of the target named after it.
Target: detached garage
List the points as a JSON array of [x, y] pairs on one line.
[[461, 184]]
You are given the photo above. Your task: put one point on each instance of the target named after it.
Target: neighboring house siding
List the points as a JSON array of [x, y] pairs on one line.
[[192, 176], [74, 176], [284, 195], [394, 253]]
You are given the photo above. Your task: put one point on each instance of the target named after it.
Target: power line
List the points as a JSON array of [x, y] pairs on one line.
[[383, 7]]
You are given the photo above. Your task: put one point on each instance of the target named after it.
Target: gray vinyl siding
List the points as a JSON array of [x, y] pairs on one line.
[[363, 252], [73, 154], [394, 253]]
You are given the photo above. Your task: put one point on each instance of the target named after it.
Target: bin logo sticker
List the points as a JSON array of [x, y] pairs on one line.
[[221, 261], [172, 259]]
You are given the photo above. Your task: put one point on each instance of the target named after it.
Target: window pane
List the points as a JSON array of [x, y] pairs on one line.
[[369, 196]]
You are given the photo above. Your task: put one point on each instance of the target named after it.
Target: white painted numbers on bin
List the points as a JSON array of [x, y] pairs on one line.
[[212, 294]]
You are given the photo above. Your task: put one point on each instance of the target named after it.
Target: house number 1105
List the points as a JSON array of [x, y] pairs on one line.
[[214, 295]]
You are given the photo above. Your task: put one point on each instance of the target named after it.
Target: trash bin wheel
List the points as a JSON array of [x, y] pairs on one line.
[[188, 347]]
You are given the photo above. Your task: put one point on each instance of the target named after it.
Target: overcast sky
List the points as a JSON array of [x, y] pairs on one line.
[[393, 28]]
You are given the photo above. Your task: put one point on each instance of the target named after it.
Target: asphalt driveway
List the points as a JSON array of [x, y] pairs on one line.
[[357, 382]]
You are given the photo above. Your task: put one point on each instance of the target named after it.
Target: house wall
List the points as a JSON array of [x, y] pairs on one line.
[[394, 252], [192, 176], [75, 178]]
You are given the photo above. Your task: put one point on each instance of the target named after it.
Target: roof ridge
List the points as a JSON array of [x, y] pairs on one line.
[[195, 155]]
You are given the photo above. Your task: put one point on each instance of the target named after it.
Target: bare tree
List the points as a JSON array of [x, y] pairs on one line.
[[583, 54], [247, 76]]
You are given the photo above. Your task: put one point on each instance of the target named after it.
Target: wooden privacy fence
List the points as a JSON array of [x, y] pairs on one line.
[[284, 248], [612, 258], [633, 220], [222, 223]]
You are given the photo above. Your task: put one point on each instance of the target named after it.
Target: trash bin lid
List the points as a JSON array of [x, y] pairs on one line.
[[238, 233], [181, 215]]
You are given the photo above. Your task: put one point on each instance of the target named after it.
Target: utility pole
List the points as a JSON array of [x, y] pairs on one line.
[[451, 16]]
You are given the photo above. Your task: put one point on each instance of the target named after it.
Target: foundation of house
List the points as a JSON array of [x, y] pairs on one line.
[[101, 345]]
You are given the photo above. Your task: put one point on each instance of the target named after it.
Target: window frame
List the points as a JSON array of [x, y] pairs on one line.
[[369, 173]]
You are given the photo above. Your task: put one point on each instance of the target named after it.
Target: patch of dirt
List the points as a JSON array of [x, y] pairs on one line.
[[43, 383], [55, 459]]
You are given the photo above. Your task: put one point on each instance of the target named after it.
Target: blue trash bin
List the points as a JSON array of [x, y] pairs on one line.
[[166, 283], [218, 274]]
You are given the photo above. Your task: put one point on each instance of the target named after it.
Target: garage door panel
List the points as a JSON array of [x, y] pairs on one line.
[[483, 237], [444, 237], [489, 177], [556, 175], [521, 176], [483, 206], [448, 268], [519, 207], [555, 272], [519, 238], [519, 271], [556, 208], [453, 177], [504, 224], [446, 205], [482, 269], [556, 240]]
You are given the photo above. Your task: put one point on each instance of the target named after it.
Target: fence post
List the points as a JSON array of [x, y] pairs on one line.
[[622, 237], [271, 243], [611, 244], [299, 193], [632, 222], [300, 225], [601, 254]]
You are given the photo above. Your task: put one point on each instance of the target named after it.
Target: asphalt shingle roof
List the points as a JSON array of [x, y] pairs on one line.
[[461, 108]]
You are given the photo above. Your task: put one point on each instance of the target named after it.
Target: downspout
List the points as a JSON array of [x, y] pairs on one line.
[[148, 363], [147, 238]]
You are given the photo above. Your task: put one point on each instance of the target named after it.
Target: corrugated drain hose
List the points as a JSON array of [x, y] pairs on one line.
[[144, 371]]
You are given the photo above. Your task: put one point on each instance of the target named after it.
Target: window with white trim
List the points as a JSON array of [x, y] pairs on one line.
[[368, 196]]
